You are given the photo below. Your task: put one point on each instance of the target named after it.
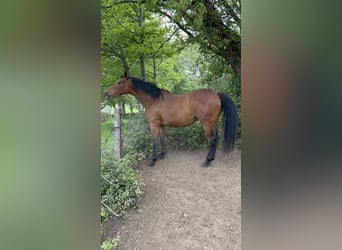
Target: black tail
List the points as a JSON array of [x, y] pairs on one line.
[[229, 122]]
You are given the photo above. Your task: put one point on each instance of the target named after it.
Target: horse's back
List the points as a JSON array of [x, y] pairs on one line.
[[206, 95]]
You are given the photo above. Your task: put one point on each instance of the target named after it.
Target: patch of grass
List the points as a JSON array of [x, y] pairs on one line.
[[106, 127]]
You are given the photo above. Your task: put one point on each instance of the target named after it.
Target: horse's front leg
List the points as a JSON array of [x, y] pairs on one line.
[[155, 134]]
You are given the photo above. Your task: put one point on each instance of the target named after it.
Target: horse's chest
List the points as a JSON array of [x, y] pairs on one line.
[[155, 117]]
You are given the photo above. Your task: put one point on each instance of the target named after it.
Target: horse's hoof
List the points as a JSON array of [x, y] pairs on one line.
[[152, 163], [206, 164], [162, 156]]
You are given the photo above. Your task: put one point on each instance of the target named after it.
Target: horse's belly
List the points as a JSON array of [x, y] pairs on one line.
[[178, 121]]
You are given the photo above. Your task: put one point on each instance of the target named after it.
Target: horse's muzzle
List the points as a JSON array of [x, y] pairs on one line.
[[107, 95]]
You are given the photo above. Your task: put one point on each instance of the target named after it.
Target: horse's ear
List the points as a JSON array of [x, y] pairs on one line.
[[126, 74]]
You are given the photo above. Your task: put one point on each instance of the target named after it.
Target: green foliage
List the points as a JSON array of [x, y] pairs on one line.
[[130, 31], [187, 138], [136, 135], [110, 244], [106, 139], [120, 188], [214, 25], [191, 137]]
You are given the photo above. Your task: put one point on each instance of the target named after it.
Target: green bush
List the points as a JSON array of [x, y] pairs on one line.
[[187, 138], [120, 188], [137, 137], [110, 244]]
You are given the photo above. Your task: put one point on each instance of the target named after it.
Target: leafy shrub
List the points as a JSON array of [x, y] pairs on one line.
[[110, 244], [187, 138], [120, 188], [136, 135]]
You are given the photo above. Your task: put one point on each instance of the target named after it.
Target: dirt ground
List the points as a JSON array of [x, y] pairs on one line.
[[185, 206]]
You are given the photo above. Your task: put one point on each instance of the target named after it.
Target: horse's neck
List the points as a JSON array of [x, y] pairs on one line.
[[145, 99]]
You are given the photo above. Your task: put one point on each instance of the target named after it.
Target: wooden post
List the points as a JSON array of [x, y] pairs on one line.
[[117, 133]]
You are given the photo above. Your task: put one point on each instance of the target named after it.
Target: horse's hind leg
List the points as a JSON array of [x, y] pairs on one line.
[[211, 134], [212, 150], [213, 145], [162, 142]]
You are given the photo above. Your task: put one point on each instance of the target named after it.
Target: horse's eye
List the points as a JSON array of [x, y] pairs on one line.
[[119, 82]]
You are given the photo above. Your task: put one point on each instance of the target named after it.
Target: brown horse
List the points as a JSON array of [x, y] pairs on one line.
[[164, 109]]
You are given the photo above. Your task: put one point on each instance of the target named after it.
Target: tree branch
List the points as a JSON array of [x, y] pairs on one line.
[[109, 209], [176, 22], [163, 43]]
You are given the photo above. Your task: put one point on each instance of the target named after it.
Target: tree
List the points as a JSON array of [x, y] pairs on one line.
[[134, 38], [131, 33], [214, 25]]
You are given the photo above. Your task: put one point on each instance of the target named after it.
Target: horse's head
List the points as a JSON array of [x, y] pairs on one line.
[[120, 87]]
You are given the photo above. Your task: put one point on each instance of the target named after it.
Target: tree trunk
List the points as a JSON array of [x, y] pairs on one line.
[[142, 67], [142, 56], [123, 59], [142, 41]]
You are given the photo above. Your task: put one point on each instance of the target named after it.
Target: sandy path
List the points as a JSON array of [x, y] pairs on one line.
[[185, 206]]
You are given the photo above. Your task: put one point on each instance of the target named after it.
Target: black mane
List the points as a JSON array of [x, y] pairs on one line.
[[147, 87]]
